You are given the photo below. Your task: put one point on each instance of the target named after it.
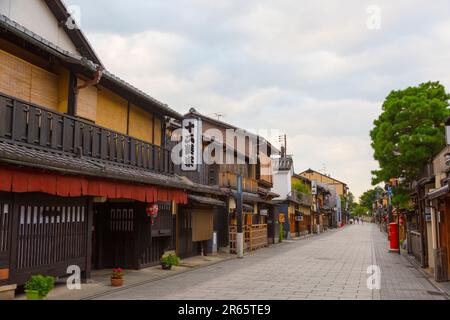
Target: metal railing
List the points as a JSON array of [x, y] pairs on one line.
[[41, 128]]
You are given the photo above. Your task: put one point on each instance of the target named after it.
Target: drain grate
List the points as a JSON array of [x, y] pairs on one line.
[[435, 293]]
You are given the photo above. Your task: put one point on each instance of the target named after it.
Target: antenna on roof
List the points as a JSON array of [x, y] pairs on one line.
[[217, 115], [283, 140]]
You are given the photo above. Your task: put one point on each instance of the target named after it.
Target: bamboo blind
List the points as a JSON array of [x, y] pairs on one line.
[[141, 124], [25, 81], [87, 102], [202, 225]]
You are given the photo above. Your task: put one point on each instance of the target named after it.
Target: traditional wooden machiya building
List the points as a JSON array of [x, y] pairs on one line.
[[215, 204], [340, 187], [300, 219], [82, 154], [437, 208]]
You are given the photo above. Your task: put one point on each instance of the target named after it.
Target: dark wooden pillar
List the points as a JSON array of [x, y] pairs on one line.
[[90, 223], [73, 95], [14, 238]]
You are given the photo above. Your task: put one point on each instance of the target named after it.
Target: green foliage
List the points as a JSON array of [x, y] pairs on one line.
[[351, 202], [358, 210], [281, 235], [369, 197], [41, 284], [410, 131], [365, 202], [170, 258], [301, 187], [401, 198]]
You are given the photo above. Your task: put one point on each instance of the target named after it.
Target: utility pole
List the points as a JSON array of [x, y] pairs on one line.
[[239, 233], [283, 140]]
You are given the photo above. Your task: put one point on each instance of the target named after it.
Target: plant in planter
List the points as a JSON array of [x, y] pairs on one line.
[[169, 259], [117, 277], [38, 287], [281, 235]]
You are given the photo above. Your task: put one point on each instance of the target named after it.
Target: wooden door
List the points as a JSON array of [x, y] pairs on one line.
[[186, 247], [155, 239], [5, 235], [118, 236], [444, 230]]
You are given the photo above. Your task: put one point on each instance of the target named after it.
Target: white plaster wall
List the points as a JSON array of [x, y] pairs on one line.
[[282, 184], [37, 17]]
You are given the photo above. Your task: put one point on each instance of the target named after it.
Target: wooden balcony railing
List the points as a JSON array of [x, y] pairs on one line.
[[28, 124], [255, 237], [229, 180]]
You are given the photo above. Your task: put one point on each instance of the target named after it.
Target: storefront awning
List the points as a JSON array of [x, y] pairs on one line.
[[27, 180], [206, 200]]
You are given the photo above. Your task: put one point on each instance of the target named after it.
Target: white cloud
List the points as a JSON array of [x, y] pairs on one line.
[[310, 68]]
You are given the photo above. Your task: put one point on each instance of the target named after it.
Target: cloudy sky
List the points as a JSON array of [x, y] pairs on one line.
[[311, 68]]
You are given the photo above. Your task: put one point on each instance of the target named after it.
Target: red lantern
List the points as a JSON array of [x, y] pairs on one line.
[[152, 211]]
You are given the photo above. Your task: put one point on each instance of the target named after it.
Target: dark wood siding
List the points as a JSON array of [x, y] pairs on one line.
[[126, 238], [5, 223], [48, 235]]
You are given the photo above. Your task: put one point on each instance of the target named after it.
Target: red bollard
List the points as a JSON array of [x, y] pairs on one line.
[[393, 237]]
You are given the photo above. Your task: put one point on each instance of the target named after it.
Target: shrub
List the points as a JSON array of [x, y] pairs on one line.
[[282, 236], [41, 284], [170, 258]]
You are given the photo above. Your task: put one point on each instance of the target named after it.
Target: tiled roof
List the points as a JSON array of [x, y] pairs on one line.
[[68, 164], [206, 200], [283, 164]]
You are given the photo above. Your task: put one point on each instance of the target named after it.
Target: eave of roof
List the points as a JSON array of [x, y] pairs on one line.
[[311, 171], [59, 10], [437, 193], [206, 200], [19, 155], [193, 112]]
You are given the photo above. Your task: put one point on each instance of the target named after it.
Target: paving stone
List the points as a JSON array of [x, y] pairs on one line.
[[332, 266]]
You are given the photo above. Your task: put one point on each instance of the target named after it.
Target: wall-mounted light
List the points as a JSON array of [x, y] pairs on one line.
[[447, 130], [447, 159]]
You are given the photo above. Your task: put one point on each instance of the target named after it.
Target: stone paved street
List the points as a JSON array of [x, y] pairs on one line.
[[330, 266]]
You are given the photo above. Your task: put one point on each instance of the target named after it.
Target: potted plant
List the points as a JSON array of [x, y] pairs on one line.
[[38, 287], [281, 235], [169, 259], [117, 277]]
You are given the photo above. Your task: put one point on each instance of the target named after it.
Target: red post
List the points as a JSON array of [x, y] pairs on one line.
[[393, 237]]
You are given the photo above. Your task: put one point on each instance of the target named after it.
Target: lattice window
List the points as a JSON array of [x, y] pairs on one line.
[[122, 220], [4, 226]]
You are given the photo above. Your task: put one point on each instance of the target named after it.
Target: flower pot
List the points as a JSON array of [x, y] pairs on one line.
[[116, 282], [33, 295], [166, 266]]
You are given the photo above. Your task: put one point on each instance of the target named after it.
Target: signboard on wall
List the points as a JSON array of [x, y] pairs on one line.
[[314, 187], [191, 144], [282, 218]]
